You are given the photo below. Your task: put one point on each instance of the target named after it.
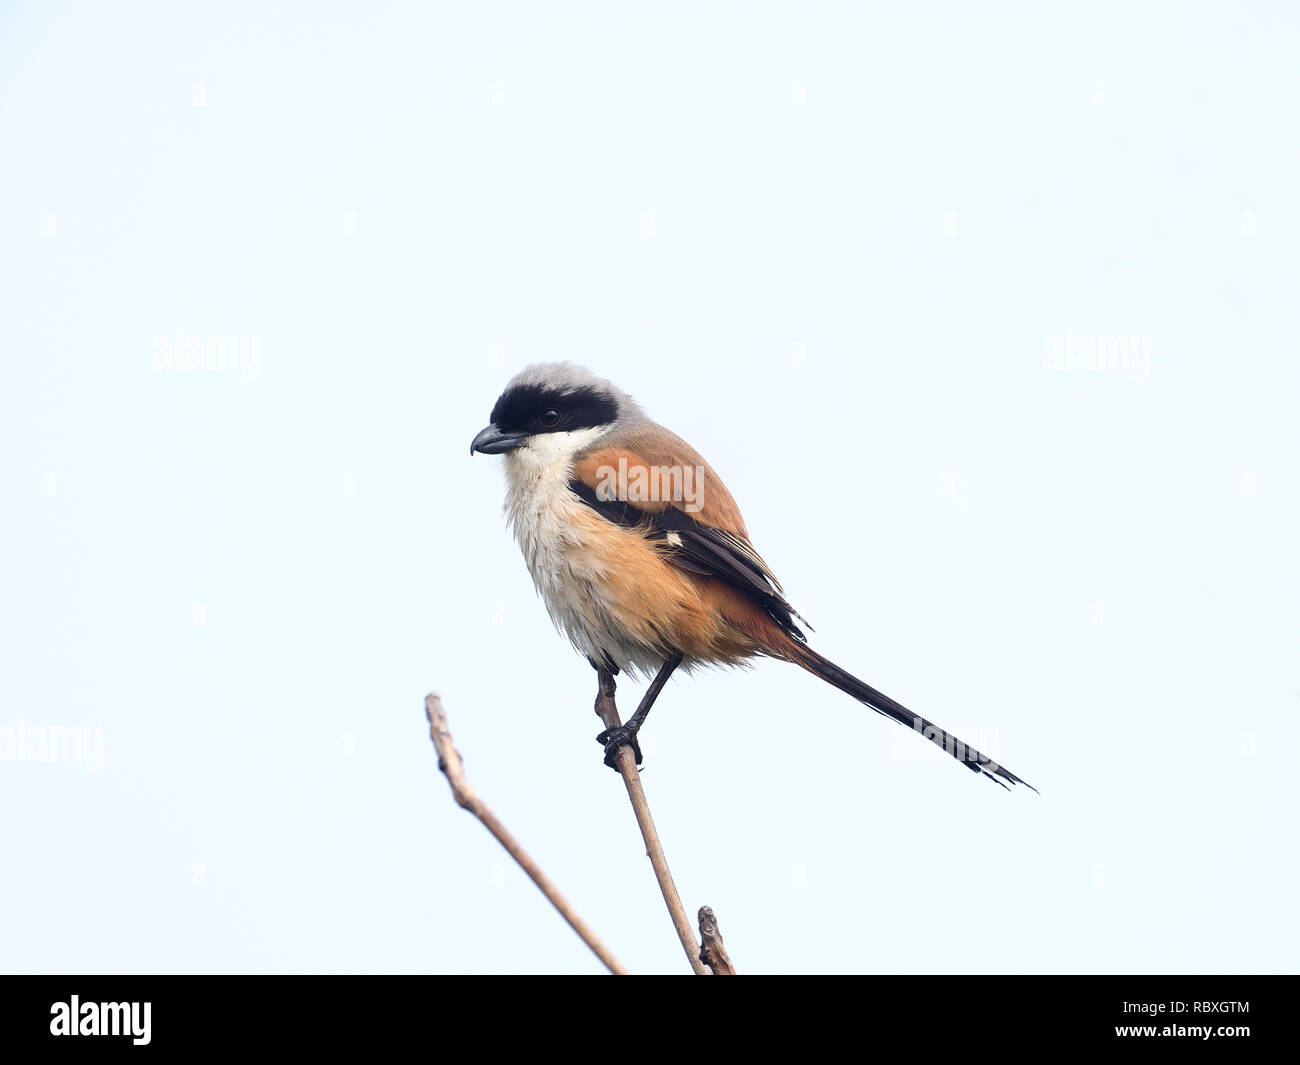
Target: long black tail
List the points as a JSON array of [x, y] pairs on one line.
[[968, 756]]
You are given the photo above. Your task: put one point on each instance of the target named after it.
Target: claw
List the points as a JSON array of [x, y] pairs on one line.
[[616, 738]]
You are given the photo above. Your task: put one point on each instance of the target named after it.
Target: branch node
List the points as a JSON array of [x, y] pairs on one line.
[[712, 952]]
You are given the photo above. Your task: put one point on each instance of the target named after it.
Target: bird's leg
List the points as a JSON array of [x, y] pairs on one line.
[[606, 707], [614, 738], [605, 687]]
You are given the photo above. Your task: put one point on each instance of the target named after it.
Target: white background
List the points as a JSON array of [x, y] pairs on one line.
[[834, 247]]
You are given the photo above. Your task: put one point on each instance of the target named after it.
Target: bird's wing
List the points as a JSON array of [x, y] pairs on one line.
[[693, 519]]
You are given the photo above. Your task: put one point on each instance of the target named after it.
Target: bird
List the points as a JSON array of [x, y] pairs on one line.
[[640, 554]]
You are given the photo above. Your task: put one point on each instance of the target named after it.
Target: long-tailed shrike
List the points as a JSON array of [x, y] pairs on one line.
[[640, 552]]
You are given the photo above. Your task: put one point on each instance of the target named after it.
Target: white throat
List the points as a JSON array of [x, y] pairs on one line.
[[538, 500], [545, 517], [548, 454]]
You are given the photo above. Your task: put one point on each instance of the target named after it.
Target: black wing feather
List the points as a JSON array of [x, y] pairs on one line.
[[699, 548]]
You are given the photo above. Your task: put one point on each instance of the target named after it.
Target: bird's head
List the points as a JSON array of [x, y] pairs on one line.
[[554, 409]]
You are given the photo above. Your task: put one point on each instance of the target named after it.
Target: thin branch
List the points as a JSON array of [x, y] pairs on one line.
[[454, 770], [608, 711], [713, 953]]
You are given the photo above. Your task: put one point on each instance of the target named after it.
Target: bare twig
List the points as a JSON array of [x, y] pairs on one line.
[[712, 952], [453, 769], [608, 711]]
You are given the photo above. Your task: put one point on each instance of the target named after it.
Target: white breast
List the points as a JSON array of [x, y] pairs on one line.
[[568, 573]]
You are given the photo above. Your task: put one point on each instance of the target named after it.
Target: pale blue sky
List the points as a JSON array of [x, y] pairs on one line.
[[839, 248]]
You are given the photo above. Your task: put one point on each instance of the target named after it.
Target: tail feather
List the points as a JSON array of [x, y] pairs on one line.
[[972, 759]]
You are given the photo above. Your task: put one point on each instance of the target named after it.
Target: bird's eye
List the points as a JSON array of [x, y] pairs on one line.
[[551, 417]]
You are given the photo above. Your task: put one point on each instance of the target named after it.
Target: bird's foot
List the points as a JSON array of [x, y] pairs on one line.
[[615, 738]]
